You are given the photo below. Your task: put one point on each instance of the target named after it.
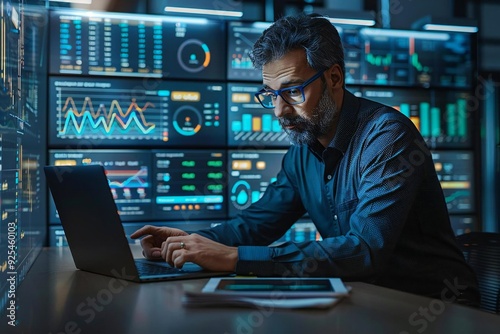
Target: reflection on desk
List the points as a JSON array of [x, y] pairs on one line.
[[57, 298]]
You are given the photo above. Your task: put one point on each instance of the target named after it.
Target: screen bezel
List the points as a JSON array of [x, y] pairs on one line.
[[334, 287]]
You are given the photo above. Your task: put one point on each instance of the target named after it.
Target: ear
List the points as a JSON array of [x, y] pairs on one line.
[[336, 76]]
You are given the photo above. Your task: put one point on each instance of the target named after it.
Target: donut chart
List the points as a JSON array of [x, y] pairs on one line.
[[187, 121], [193, 55]]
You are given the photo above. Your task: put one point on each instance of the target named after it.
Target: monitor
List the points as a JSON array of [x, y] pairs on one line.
[[392, 57], [129, 174], [137, 45], [99, 43], [23, 76], [111, 112], [189, 184], [250, 173]]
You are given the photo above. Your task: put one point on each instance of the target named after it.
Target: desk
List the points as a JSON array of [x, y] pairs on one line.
[[56, 298]]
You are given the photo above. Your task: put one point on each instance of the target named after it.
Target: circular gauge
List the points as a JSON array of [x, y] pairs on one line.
[[187, 121], [193, 55]]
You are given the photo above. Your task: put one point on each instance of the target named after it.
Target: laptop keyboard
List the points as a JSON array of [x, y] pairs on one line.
[[149, 269]]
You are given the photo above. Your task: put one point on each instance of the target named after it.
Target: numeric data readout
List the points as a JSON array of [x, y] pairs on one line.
[[190, 184], [136, 45]]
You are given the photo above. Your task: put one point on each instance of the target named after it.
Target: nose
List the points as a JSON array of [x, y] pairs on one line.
[[281, 108]]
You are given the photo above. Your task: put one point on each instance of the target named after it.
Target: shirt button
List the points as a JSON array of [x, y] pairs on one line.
[[329, 177], [335, 217]]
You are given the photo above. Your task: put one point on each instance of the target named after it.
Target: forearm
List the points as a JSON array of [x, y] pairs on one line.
[[345, 257]]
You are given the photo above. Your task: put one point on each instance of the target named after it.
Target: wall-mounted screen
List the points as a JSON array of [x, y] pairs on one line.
[[407, 58], [374, 56], [23, 92], [121, 44], [250, 173], [106, 44], [241, 38], [442, 117], [129, 175], [249, 124], [189, 184], [102, 112], [456, 174]]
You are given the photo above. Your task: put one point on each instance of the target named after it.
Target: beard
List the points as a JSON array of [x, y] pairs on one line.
[[307, 131]]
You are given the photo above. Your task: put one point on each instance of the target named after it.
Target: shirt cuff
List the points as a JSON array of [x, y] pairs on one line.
[[254, 261]]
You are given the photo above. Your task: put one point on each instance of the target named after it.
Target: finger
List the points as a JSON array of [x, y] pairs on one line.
[[166, 252], [148, 242], [179, 258], [149, 249], [153, 253], [169, 246], [145, 230], [163, 251]]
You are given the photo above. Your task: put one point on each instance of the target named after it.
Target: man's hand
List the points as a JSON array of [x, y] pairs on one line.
[[207, 253], [178, 247], [154, 238]]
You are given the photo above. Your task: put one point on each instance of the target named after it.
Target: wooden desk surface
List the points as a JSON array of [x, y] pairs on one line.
[[56, 298]]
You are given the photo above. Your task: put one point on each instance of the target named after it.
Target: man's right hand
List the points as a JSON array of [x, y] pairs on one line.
[[153, 239]]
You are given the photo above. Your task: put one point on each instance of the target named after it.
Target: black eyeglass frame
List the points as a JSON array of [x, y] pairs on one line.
[[279, 92]]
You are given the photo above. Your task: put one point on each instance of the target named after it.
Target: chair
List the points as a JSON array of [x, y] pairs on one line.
[[482, 253]]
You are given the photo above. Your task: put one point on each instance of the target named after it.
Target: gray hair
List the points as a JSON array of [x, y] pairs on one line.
[[312, 32]]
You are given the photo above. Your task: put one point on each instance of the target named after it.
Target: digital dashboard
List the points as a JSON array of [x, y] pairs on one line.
[[167, 105]]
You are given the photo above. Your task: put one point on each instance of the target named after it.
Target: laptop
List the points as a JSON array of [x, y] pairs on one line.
[[94, 230]]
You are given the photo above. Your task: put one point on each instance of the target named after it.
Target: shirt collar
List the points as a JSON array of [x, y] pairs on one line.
[[347, 123]]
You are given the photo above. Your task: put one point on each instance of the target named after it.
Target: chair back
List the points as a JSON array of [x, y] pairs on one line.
[[482, 253]]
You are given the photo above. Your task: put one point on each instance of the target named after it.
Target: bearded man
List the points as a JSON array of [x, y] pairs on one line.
[[360, 170]]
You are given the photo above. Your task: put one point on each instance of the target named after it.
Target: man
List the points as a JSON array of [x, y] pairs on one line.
[[359, 169]]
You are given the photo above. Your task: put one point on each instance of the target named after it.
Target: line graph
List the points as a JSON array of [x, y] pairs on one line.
[[125, 178], [101, 117], [129, 185], [109, 114]]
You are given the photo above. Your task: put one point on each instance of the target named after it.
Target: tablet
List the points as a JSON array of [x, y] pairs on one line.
[[268, 287]]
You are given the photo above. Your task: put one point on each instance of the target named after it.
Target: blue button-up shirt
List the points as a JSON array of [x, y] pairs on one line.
[[373, 195]]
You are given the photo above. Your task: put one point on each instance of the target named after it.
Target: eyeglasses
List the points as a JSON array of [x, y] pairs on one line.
[[291, 95]]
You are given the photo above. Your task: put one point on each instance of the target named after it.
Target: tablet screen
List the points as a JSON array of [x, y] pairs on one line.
[[266, 285]]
